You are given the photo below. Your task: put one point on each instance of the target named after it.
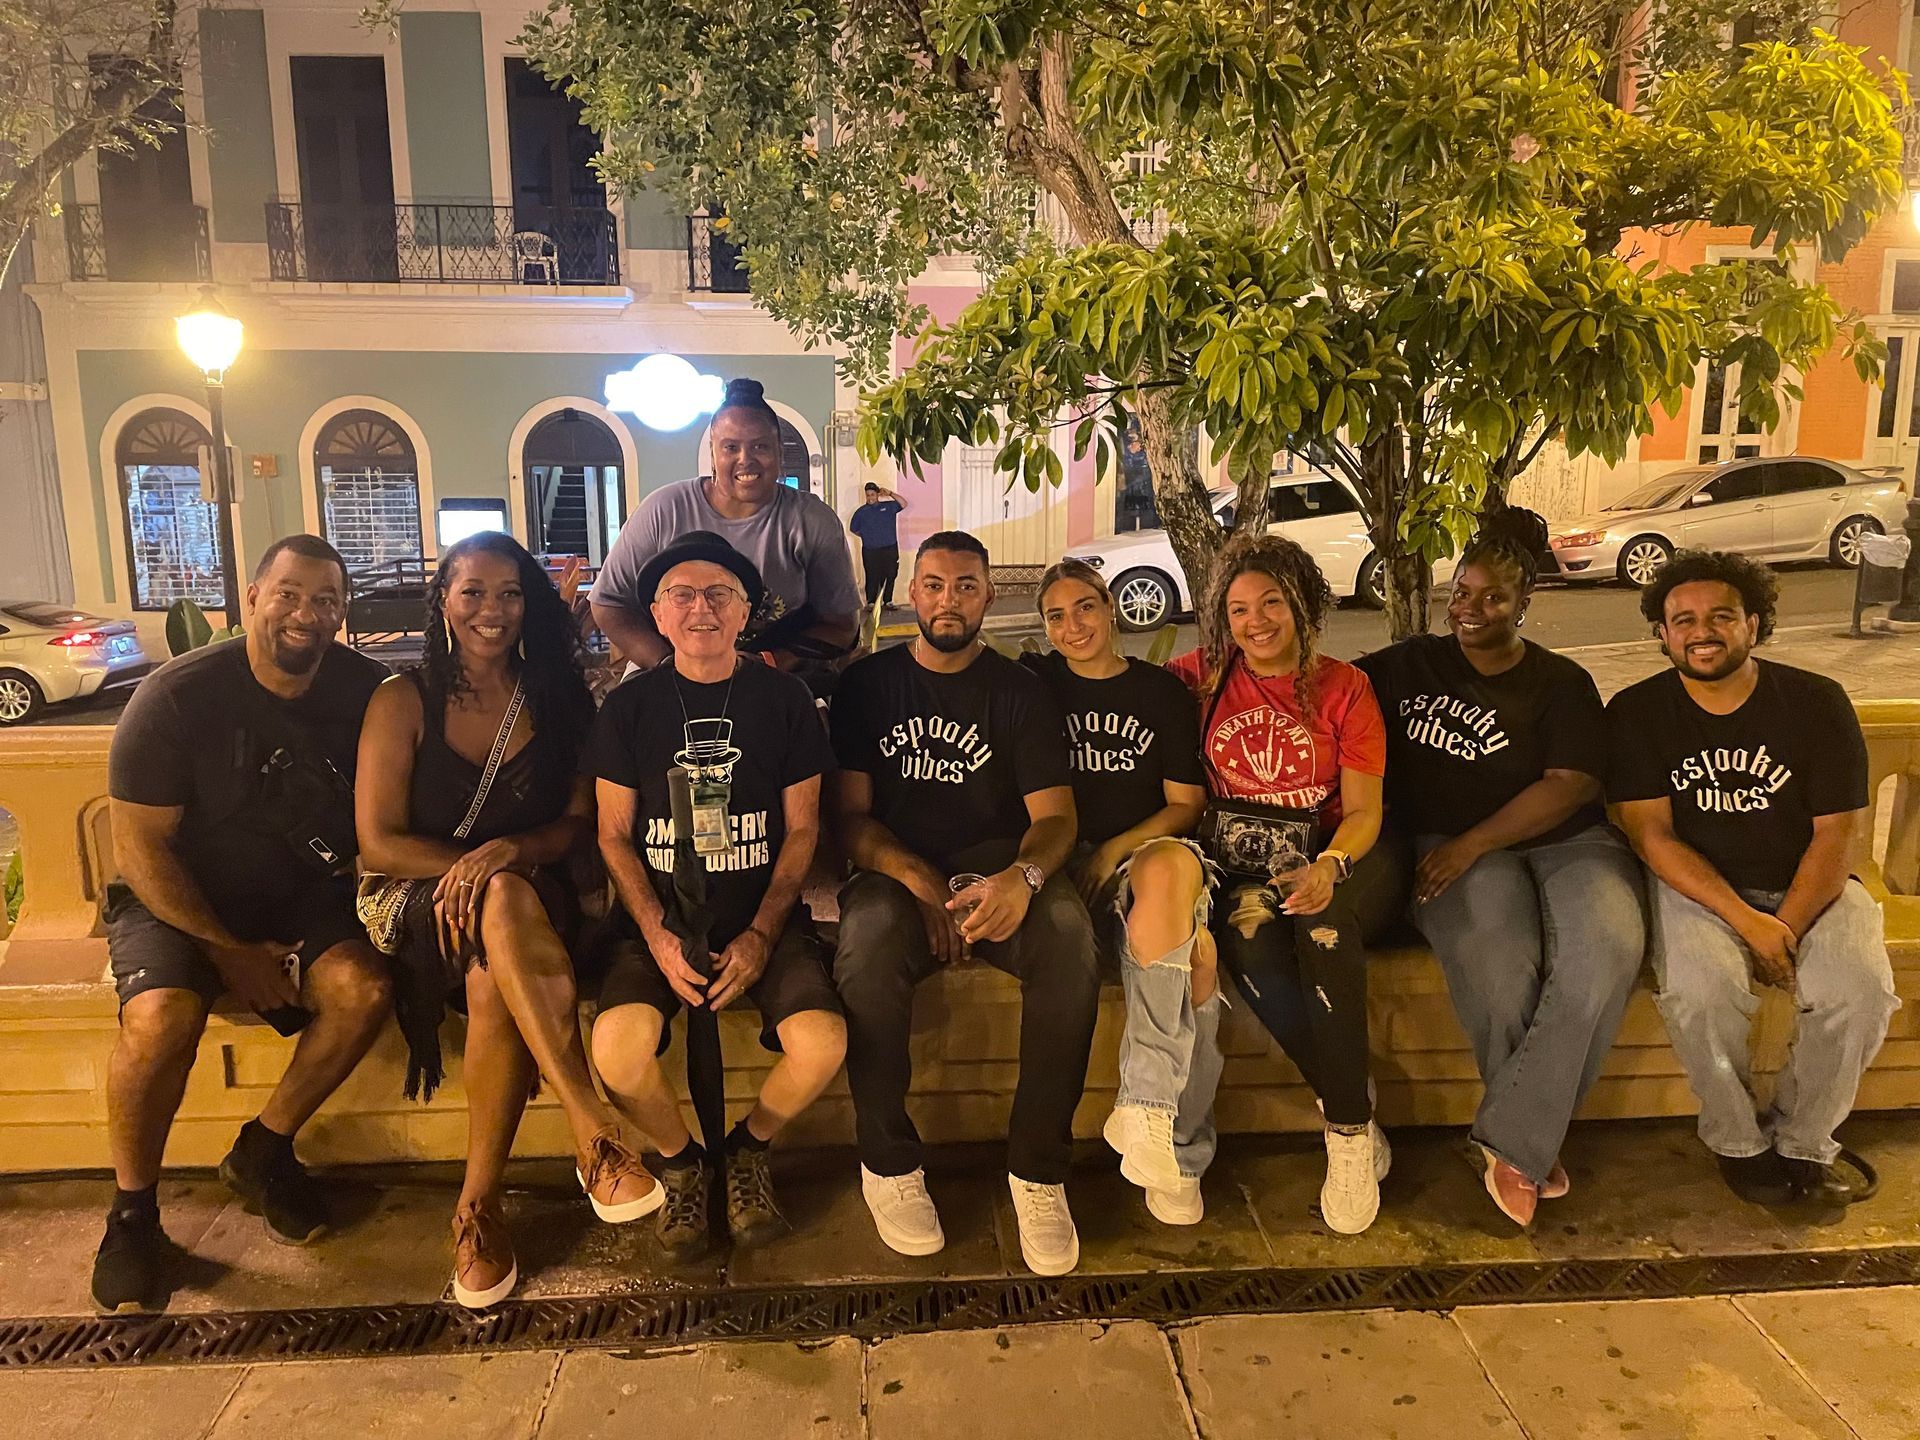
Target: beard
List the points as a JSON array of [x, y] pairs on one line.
[[1731, 659], [949, 643], [295, 659]]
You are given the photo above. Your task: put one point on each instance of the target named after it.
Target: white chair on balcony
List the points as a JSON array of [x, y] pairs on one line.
[[535, 251]]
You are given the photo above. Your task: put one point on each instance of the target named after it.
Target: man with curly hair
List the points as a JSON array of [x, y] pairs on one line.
[[1739, 782]]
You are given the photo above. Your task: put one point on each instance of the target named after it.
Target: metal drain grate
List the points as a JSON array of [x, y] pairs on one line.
[[873, 1310]]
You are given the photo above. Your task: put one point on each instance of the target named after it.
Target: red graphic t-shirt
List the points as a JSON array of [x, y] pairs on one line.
[[1260, 748]]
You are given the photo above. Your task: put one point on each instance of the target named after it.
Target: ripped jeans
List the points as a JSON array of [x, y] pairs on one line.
[[1170, 1047]]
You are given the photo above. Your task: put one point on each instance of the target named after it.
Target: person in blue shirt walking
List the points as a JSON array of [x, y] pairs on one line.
[[876, 524]]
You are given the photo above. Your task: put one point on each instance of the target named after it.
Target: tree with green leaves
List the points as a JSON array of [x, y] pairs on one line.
[[1395, 232]]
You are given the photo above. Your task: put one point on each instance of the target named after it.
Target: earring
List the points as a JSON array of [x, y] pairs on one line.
[[1520, 620], [521, 647], [448, 626]]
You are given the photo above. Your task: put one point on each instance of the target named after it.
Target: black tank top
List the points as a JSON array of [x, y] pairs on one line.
[[531, 790]]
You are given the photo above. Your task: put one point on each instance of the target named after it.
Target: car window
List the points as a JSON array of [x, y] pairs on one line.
[[1308, 502], [1741, 484], [1797, 475], [40, 612]]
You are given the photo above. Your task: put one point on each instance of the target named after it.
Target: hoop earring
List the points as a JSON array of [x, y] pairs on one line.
[[520, 646], [447, 625]]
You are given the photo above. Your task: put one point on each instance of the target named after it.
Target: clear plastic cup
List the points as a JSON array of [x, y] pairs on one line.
[[966, 889]]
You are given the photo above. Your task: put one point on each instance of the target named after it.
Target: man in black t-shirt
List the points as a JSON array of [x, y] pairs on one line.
[[229, 784], [752, 742], [953, 762], [1740, 784]]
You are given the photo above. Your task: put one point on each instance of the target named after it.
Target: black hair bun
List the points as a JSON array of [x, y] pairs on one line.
[[744, 391], [1515, 526]]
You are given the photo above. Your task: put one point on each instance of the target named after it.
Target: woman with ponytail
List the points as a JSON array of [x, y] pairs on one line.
[[1531, 901]]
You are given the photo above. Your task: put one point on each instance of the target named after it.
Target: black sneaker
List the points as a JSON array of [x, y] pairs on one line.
[[1823, 1185], [1758, 1179], [682, 1226], [129, 1269], [279, 1190], [753, 1217]]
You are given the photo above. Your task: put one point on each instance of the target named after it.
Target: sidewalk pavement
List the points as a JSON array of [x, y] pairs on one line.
[[1885, 667]]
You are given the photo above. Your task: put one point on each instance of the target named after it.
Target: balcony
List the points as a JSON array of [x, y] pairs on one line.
[[713, 261], [163, 242], [464, 244]]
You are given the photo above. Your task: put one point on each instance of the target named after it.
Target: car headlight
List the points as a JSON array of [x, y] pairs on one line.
[[1578, 540], [1095, 561]]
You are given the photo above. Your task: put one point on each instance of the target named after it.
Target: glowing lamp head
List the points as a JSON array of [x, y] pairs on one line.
[[209, 336], [664, 392]]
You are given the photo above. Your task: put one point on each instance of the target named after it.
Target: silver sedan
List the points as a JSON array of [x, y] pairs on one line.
[[50, 653]]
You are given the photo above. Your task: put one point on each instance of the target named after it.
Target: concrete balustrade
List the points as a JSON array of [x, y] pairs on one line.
[[57, 1014]]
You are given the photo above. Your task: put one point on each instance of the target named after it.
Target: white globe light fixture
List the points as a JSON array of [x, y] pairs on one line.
[[664, 392], [209, 336]]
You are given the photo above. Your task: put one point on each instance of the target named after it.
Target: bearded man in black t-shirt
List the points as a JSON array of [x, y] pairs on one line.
[[953, 768], [229, 786], [1740, 783]]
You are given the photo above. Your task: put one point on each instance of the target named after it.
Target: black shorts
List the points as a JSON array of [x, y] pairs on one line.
[[794, 982], [145, 953]]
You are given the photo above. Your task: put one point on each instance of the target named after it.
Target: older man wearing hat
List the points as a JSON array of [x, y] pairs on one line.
[[752, 741]]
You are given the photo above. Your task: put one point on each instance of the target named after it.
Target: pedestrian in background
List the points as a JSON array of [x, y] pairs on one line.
[[876, 523]]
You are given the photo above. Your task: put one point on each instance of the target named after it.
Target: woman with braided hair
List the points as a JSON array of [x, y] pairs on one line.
[[1531, 901], [1294, 751]]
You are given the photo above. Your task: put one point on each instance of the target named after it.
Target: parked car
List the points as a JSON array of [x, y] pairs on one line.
[[1790, 507], [1318, 511], [51, 653]]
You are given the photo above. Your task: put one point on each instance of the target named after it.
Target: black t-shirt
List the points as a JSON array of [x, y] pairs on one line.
[[1126, 735], [952, 757], [1460, 744], [763, 737], [1745, 787], [202, 734]]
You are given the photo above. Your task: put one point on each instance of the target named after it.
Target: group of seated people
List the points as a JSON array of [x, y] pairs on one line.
[[333, 845]]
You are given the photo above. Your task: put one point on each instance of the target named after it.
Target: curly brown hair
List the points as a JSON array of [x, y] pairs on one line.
[[1309, 597]]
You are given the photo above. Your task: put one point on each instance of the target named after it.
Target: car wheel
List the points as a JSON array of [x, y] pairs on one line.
[[1370, 589], [1844, 549], [20, 698], [1144, 600], [1641, 559]]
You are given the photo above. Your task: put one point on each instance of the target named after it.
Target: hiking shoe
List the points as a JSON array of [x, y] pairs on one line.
[[1178, 1205], [129, 1269], [1557, 1183], [1350, 1198], [753, 1216], [484, 1268], [903, 1212], [1760, 1179], [682, 1226], [1143, 1136], [1048, 1242], [1810, 1180], [615, 1181], [278, 1189], [1513, 1192]]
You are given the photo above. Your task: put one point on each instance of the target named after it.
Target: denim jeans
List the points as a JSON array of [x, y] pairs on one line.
[[1540, 948], [882, 956], [1843, 989], [1169, 1047]]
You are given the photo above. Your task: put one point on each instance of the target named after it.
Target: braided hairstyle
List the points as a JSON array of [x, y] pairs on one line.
[[1309, 597], [1511, 539]]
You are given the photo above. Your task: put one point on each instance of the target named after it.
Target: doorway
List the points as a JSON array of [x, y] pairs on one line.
[[576, 501], [346, 167]]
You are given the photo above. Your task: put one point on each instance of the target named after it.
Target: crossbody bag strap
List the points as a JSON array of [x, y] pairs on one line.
[[493, 759]]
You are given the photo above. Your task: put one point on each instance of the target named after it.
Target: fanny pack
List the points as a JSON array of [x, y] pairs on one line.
[[295, 791], [1248, 838]]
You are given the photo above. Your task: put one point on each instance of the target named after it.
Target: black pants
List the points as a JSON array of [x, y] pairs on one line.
[[1305, 976], [882, 564], [883, 956]]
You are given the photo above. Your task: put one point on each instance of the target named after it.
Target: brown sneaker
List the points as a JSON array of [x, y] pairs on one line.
[[615, 1180], [752, 1215], [682, 1226], [1557, 1184], [1514, 1193], [484, 1270]]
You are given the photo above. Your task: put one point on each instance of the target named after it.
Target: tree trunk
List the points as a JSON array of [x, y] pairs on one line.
[[1179, 494], [1405, 579]]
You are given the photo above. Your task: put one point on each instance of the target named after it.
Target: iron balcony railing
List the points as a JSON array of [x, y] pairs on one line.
[[155, 242], [713, 261], [443, 243]]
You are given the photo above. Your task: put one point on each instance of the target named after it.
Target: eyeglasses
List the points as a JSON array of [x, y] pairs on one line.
[[718, 597]]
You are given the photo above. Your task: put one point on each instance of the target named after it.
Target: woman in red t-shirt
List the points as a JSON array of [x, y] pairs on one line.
[[1294, 746]]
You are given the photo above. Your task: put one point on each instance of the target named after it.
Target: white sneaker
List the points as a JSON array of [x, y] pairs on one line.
[[1143, 1136], [1351, 1197], [903, 1212], [1048, 1242], [1178, 1205], [1382, 1151]]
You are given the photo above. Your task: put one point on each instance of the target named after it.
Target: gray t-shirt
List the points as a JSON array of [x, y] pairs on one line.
[[795, 540]]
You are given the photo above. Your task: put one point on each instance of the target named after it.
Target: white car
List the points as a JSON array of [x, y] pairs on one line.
[[1775, 508], [50, 653], [1317, 511]]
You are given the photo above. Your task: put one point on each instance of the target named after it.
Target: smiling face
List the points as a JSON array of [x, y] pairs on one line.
[[746, 456], [1485, 605], [700, 629], [1261, 622], [296, 609], [950, 594], [1079, 619], [1707, 632], [485, 605]]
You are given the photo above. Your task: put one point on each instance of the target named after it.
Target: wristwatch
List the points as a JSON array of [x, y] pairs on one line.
[[1034, 876], [1342, 863]]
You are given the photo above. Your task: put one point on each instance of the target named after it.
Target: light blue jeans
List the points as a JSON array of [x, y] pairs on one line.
[[1541, 948], [1170, 1048], [1843, 989]]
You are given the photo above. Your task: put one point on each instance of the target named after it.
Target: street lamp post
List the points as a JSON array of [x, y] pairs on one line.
[[211, 339]]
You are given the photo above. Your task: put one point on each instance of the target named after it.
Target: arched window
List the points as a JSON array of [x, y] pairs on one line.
[[173, 546], [369, 489], [575, 499]]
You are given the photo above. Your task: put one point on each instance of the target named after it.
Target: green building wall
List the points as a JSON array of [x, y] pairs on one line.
[[446, 97]]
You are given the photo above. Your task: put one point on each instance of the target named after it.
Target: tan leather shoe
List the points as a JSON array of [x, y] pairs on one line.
[[615, 1180], [484, 1269]]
